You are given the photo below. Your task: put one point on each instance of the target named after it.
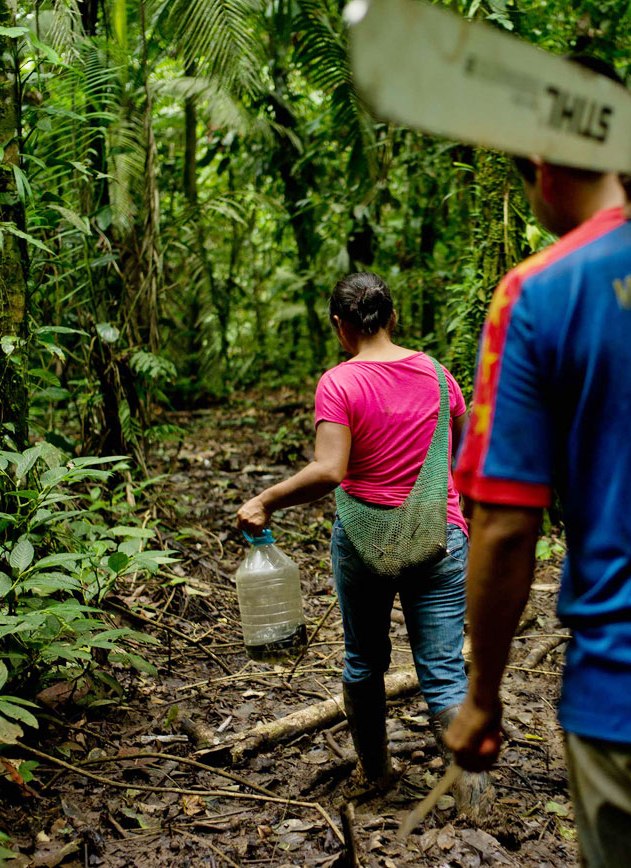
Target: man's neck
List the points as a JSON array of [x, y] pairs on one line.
[[588, 199]]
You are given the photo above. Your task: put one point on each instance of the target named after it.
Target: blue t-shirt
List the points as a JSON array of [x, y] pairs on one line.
[[552, 407]]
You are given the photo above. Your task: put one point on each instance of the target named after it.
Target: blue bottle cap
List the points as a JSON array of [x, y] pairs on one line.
[[264, 539]]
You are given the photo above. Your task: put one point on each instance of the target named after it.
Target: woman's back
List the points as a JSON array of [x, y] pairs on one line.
[[391, 409]]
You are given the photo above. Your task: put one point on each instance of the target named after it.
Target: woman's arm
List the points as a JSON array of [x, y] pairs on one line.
[[319, 477], [457, 428]]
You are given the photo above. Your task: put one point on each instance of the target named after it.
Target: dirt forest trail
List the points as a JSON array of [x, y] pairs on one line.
[[168, 773]]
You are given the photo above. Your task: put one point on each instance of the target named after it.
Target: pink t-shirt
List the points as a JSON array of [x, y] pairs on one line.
[[391, 409]]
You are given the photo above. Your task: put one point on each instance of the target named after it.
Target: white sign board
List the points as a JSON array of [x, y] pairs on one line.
[[426, 67]]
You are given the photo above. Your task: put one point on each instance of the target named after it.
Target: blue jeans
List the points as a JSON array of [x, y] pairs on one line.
[[433, 603]]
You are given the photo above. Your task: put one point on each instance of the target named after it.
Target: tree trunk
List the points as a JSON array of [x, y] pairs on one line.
[[190, 143], [297, 189], [13, 258]]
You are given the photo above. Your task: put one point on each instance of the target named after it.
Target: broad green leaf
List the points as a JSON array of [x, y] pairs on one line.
[[107, 332], [115, 633], [151, 561], [4, 674], [21, 556], [28, 459], [135, 660], [17, 700], [9, 732], [13, 32], [8, 344], [22, 185], [12, 229], [16, 712], [45, 516], [557, 808], [27, 768], [58, 498], [132, 531], [49, 53], [58, 330], [13, 624], [90, 460], [130, 547], [24, 494], [68, 610], [48, 583], [76, 220], [118, 561], [12, 457], [6, 584], [62, 559], [55, 651]]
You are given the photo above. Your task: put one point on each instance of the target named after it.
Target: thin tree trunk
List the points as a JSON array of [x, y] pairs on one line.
[[190, 143], [13, 258]]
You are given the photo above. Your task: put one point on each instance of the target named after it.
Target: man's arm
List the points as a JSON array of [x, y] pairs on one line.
[[501, 564], [319, 477]]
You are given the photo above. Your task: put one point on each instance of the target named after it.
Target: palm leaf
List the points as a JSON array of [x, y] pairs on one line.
[[219, 37], [322, 52]]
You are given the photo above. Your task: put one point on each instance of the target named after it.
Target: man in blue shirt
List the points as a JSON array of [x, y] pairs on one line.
[[552, 407]]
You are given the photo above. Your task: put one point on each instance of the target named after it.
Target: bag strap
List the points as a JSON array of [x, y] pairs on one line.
[[436, 459]]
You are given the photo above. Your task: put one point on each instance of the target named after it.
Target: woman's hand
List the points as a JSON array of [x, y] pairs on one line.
[[253, 516]]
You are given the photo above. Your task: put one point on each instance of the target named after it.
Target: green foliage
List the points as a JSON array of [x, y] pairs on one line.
[[548, 548], [287, 443], [5, 853], [195, 176], [58, 560]]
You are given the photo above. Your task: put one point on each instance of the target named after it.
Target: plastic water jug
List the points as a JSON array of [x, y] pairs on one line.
[[270, 602]]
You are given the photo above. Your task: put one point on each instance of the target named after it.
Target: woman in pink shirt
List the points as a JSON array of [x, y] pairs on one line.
[[375, 417]]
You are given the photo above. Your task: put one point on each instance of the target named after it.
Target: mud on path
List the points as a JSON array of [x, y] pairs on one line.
[[136, 791]]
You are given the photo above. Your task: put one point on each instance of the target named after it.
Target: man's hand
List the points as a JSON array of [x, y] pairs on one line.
[[253, 516], [475, 736]]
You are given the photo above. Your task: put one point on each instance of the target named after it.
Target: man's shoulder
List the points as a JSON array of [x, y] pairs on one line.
[[568, 251]]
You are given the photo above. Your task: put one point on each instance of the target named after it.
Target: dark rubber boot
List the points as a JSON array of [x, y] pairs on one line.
[[473, 791], [365, 705]]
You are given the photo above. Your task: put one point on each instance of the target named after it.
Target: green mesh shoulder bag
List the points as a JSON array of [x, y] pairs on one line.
[[391, 539]]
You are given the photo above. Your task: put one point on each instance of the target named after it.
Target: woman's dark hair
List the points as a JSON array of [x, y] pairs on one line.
[[363, 301]]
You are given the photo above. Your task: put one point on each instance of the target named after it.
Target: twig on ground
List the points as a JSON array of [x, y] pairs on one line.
[[522, 777], [206, 843], [117, 826], [347, 815], [182, 761], [181, 791], [58, 721], [191, 640], [533, 671], [337, 750]]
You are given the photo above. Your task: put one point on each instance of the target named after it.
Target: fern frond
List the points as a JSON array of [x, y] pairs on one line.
[[220, 37], [322, 53]]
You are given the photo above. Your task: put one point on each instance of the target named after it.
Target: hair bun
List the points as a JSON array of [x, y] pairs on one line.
[[363, 300]]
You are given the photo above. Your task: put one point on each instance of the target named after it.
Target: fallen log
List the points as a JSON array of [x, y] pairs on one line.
[[542, 649], [216, 753]]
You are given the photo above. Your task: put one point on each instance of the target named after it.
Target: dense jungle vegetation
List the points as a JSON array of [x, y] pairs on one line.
[[181, 184]]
